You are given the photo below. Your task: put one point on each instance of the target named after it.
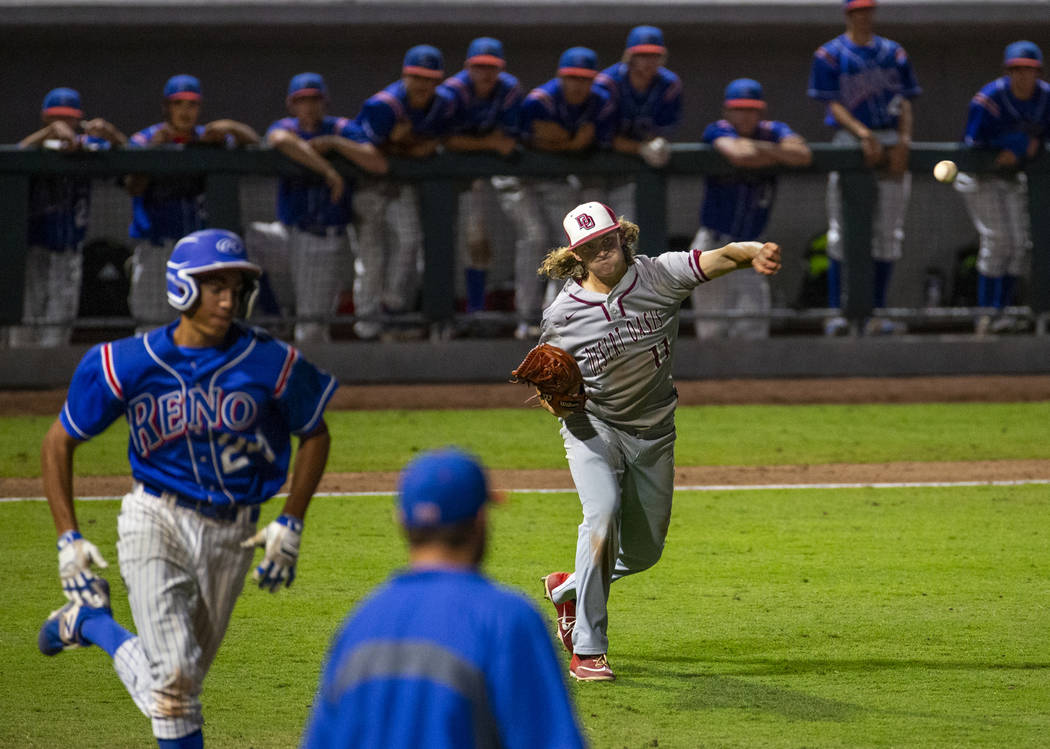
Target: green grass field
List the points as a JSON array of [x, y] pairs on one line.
[[819, 618]]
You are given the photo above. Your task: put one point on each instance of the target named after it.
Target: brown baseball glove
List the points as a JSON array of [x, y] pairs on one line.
[[556, 377]]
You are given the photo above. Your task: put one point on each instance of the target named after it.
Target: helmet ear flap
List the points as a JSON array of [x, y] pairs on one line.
[[182, 289]]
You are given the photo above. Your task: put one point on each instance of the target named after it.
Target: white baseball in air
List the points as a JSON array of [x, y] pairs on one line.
[[945, 171]]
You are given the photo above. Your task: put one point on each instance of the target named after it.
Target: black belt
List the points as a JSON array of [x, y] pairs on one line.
[[225, 513]]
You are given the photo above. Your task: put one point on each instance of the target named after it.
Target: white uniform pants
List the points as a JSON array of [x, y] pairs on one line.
[[998, 207], [51, 297], [625, 484], [893, 195], [183, 572], [744, 291], [148, 297], [389, 250]]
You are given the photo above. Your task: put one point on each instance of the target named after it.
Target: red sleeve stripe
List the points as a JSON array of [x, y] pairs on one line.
[[694, 263], [286, 371], [110, 372]]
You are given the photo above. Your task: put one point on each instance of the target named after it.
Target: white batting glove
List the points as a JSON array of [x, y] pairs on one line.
[[280, 539], [75, 556], [656, 152]]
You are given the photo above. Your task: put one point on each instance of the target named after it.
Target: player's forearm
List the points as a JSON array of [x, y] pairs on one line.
[[310, 461], [491, 142], [365, 155], [298, 151], [904, 124], [731, 257], [623, 144], [244, 134], [793, 152], [848, 121], [35, 139], [56, 469]]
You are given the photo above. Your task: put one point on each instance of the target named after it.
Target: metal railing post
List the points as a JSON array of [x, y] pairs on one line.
[[439, 199], [1039, 211], [222, 198], [651, 205], [859, 192]]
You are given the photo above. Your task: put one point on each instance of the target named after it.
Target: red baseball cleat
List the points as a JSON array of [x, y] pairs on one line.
[[565, 612], [590, 668]]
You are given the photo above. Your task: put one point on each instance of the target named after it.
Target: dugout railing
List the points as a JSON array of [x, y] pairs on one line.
[[442, 178]]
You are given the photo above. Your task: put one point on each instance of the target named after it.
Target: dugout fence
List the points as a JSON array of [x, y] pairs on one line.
[[238, 185]]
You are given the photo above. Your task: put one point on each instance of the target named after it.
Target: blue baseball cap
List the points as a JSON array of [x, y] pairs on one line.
[[441, 487], [849, 5], [307, 84], [1022, 54], [486, 51], [424, 60], [744, 93], [646, 40], [62, 102], [182, 87], [578, 61]]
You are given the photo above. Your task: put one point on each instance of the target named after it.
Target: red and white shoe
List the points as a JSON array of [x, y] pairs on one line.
[[590, 668], [565, 612]]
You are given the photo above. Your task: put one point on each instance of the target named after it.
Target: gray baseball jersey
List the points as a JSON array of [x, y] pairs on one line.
[[621, 449]]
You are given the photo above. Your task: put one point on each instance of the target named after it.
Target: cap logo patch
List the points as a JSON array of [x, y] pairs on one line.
[[584, 221], [228, 246]]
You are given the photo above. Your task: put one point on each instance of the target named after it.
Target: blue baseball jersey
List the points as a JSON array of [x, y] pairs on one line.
[[997, 119], [306, 202], [382, 111], [869, 80], [59, 206], [171, 207], [443, 659], [547, 103], [210, 424], [738, 205], [468, 114], [643, 115]]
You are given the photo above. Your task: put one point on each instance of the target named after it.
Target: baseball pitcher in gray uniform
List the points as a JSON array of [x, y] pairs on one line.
[[617, 315]]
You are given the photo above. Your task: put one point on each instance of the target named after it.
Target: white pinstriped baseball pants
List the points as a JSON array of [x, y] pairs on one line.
[[148, 297], [183, 572], [998, 207], [50, 297], [626, 484]]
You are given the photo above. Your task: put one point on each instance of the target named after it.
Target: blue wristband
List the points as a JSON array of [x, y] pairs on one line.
[[67, 538], [291, 523]]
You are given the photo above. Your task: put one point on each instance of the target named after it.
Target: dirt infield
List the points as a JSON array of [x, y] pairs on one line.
[[716, 392]]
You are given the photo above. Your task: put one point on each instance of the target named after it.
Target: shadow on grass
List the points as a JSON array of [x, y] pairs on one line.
[[788, 667]]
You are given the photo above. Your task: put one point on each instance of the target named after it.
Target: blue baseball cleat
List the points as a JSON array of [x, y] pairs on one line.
[[61, 630]]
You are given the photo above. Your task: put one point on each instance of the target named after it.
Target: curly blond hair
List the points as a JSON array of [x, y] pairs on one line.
[[562, 262]]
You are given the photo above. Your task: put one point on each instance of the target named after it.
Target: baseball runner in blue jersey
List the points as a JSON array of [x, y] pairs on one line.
[[404, 119], [1012, 115], [617, 315], [567, 114], [648, 101], [482, 108], [736, 207], [439, 656], [314, 214], [867, 84], [168, 208], [211, 405], [58, 218]]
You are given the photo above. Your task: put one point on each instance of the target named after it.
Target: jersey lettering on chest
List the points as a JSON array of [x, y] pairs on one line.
[[868, 83], [156, 419], [625, 333]]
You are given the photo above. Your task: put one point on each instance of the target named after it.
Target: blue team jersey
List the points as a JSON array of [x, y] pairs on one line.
[[171, 207], [211, 424], [547, 104], [59, 206], [738, 205], [868, 80], [642, 115], [997, 119], [306, 202], [470, 115], [382, 111], [442, 659]]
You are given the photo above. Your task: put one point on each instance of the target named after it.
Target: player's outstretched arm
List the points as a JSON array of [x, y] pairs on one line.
[[365, 155], [299, 151], [764, 257], [217, 130]]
